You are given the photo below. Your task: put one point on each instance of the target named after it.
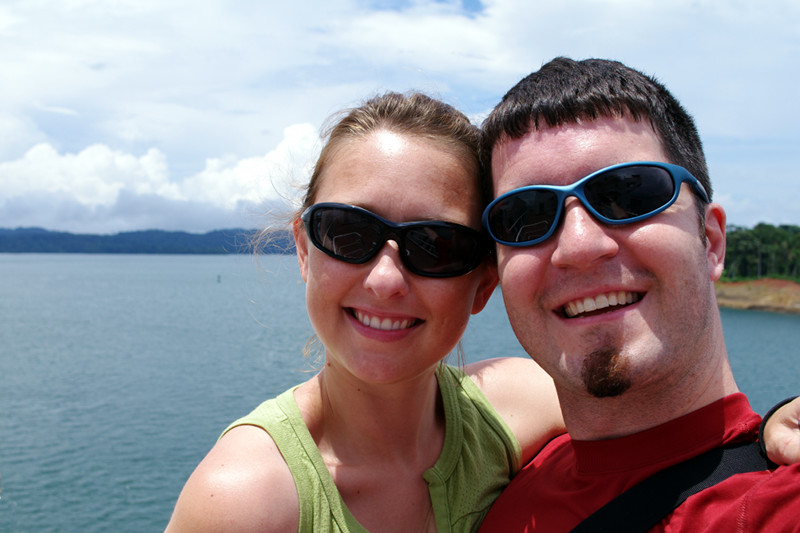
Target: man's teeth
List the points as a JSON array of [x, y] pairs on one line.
[[601, 301], [386, 324]]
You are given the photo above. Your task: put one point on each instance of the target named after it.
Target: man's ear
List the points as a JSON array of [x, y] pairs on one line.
[[301, 245], [715, 240], [486, 286]]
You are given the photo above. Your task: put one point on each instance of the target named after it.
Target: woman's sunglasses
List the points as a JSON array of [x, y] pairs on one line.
[[619, 194], [433, 249]]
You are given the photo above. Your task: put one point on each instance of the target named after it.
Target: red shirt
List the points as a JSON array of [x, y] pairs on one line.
[[569, 480]]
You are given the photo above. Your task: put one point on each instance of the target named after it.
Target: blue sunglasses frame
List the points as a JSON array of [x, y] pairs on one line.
[[678, 174]]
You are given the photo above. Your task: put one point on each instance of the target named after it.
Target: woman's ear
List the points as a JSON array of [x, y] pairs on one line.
[[715, 240], [486, 286], [301, 245]]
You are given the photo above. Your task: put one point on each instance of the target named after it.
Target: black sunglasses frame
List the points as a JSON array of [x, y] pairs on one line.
[[398, 232]]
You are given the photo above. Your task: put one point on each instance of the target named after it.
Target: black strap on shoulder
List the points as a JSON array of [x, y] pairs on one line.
[[642, 506]]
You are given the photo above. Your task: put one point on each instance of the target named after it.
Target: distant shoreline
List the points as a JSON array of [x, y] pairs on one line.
[[775, 295], [226, 241], [763, 295]]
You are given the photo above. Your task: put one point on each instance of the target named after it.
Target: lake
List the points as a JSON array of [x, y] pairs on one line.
[[118, 372]]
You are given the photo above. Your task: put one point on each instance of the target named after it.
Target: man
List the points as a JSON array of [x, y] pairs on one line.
[[609, 286]]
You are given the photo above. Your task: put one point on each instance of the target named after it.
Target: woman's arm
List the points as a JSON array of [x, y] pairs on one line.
[[242, 485], [524, 396]]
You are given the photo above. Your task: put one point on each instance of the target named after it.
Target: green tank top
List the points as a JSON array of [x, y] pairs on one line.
[[479, 455]]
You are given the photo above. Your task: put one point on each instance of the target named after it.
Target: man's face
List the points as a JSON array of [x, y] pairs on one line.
[[651, 281]]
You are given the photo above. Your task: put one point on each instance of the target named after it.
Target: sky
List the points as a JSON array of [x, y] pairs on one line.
[[206, 114]]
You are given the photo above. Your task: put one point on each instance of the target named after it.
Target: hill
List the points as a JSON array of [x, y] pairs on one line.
[[228, 241]]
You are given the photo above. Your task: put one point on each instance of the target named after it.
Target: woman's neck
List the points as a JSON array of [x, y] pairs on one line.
[[358, 421]]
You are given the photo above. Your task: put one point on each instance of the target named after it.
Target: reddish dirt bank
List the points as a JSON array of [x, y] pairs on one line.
[[763, 294]]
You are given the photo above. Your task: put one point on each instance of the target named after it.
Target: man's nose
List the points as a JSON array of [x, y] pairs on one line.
[[581, 239]]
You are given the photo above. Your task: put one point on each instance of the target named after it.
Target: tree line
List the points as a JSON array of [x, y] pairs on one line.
[[230, 241], [764, 251]]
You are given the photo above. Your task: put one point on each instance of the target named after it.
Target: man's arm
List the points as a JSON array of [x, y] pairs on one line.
[[781, 432]]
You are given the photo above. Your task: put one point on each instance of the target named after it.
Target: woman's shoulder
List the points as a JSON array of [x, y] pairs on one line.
[[524, 396], [511, 382], [243, 484], [499, 372]]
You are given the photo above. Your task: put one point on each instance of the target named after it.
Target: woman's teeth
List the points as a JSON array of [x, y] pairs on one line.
[[601, 301], [386, 324]]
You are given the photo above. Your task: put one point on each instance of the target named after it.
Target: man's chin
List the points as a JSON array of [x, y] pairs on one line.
[[605, 373]]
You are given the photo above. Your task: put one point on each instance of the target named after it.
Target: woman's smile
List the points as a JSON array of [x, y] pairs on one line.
[[385, 323]]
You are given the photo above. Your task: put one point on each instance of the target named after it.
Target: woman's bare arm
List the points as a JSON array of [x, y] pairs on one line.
[[242, 485], [524, 396]]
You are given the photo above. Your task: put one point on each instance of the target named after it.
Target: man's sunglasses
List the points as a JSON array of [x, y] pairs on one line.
[[433, 249], [618, 194]]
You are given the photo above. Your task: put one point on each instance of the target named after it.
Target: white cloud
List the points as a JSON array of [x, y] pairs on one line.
[[199, 102], [93, 177], [114, 191], [18, 134], [226, 183]]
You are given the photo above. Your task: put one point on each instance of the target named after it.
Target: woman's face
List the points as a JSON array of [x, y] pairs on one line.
[[379, 322]]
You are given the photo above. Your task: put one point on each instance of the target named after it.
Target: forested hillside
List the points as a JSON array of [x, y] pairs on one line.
[[764, 251], [35, 240]]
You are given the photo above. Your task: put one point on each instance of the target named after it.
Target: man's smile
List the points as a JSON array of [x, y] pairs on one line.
[[599, 303]]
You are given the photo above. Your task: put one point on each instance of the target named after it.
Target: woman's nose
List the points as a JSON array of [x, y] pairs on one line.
[[387, 274]]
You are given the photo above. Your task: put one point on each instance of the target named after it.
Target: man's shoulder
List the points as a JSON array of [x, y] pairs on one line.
[[558, 453], [747, 502], [770, 499], [513, 507]]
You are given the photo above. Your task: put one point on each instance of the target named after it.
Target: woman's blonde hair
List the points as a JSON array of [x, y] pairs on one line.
[[412, 113]]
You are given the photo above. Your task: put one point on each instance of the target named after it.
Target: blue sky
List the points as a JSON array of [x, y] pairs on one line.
[[196, 115]]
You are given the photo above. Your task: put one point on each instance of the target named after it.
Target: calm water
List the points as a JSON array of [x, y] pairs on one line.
[[117, 374]]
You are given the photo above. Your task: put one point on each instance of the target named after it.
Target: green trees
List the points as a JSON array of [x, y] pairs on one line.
[[763, 251]]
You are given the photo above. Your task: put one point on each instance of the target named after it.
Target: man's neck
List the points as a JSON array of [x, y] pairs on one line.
[[638, 409]]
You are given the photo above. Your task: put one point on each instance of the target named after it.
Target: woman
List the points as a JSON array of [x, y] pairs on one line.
[[385, 437], [385, 419]]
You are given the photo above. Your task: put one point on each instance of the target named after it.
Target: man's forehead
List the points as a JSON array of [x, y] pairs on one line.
[[564, 154]]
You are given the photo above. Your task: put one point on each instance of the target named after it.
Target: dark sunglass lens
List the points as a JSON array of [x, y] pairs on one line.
[[441, 250], [350, 235], [525, 216], [629, 192]]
